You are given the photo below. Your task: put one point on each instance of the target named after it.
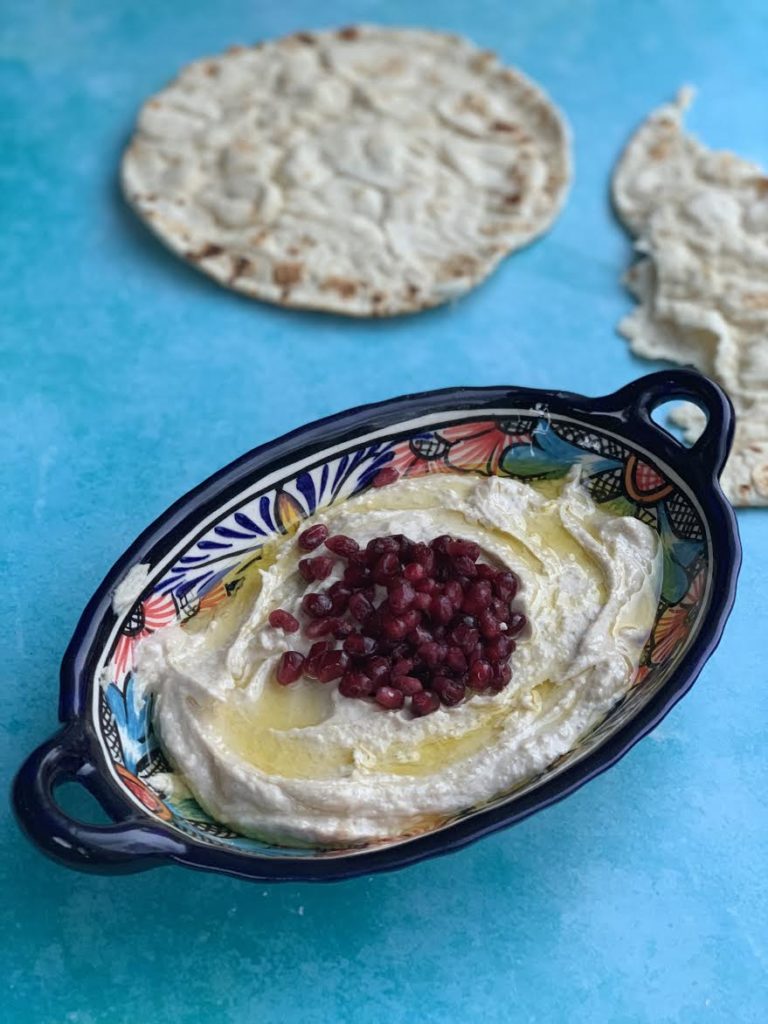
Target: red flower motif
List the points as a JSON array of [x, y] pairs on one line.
[[154, 613], [470, 447], [675, 623], [143, 793], [420, 456]]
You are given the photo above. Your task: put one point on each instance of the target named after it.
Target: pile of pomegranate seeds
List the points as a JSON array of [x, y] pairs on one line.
[[412, 623]]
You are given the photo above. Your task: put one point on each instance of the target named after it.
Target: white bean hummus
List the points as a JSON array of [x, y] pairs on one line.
[[303, 764]]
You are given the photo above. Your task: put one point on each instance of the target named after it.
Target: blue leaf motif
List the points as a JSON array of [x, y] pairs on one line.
[[324, 474], [264, 512], [340, 473], [132, 721], [306, 485], [550, 455], [678, 555], [248, 524]]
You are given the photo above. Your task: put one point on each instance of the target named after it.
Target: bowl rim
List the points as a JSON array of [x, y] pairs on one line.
[[138, 840]]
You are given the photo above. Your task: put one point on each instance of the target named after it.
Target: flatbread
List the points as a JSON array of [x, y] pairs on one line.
[[700, 219], [367, 171]]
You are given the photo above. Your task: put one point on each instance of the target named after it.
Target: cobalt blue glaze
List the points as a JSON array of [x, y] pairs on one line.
[[138, 841]]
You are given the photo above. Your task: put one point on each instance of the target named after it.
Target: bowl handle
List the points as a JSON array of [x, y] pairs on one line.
[[637, 400], [128, 846]]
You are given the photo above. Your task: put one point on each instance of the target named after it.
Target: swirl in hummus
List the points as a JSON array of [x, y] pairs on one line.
[[303, 764]]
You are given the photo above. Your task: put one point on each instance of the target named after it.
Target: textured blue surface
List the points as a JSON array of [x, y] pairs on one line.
[[126, 378]]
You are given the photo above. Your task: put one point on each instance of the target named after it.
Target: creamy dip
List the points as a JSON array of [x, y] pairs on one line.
[[303, 764]]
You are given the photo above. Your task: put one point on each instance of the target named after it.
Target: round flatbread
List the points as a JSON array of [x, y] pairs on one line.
[[367, 171]]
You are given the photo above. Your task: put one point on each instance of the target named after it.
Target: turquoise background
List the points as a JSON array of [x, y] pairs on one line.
[[126, 378]]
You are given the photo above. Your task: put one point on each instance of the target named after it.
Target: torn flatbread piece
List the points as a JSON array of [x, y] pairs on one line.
[[700, 220]]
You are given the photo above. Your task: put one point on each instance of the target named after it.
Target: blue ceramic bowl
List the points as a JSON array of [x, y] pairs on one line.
[[199, 552]]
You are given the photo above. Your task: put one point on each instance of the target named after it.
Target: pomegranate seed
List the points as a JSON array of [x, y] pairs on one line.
[[313, 537], [505, 585], [355, 684], [499, 649], [419, 635], [456, 660], [409, 685], [360, 607], [306, 570], [289, 667], [424, 703], [441, 544], [464, 549], [387, 566], [281, 619], [441, 609], [318, 568], [385, 476], [480, 675], [331, 665], [454, 592], [317, 606], [381, 546], [342, 629], [475, 653], [401, 667], [395, 627], [427, 586], [489, 624], [341, 545], [485, 572], [421, 602], [340, 596], [464, 566], [431, 653], [516, 623], [477, 598], [401, 596], [359, 646], [450, 691], [424, 555], [414, 572], [465, 636], [501, 677], [323, 566], [500, 609], [319, 627], [389, 697], [377, 668], [412, 618], [315, 652]]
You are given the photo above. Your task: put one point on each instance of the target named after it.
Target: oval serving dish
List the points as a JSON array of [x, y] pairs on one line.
[[199, 552]]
